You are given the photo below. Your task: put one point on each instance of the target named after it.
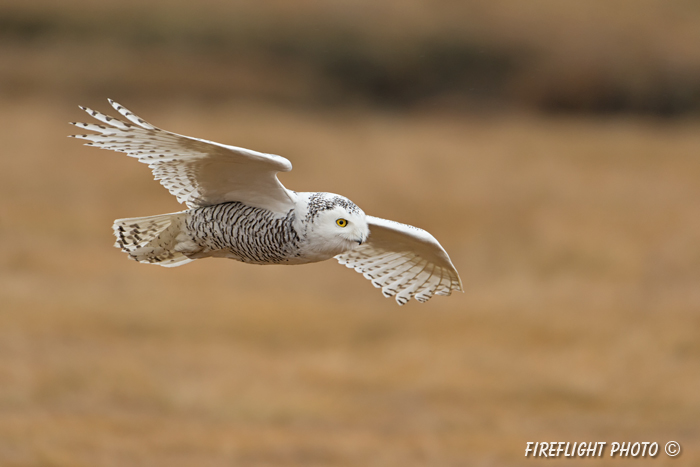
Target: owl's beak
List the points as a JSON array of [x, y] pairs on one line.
[[361, 236]]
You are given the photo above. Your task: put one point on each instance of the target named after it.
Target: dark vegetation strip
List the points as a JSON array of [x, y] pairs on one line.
[[455, 70]]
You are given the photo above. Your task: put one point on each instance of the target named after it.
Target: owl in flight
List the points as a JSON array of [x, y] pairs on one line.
[[238, 209]]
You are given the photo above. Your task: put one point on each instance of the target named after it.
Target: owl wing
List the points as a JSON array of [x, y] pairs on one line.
[[404, 261], [196, 171]]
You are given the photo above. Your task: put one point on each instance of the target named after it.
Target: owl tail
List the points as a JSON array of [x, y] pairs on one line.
[[155, 239]]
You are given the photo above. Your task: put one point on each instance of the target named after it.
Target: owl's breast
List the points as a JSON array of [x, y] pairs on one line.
[[245, 233]]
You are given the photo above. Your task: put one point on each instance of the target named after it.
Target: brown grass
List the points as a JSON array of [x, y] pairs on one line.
[[601, 55], [578, 242]]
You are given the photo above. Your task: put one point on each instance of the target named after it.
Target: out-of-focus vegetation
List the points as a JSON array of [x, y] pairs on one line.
[[578, 242], [522, 134], [598, 56]]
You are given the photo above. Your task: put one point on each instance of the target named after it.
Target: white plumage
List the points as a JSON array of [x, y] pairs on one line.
[[404, 261], [240, 210]]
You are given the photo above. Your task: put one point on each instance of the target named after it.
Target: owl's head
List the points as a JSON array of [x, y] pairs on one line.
[[335, 224]]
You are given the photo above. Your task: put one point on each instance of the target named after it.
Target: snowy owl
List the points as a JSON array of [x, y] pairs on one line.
[[238, 209]]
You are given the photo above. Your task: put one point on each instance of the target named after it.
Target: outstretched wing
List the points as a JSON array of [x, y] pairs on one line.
[[198, 172], [404, 261]]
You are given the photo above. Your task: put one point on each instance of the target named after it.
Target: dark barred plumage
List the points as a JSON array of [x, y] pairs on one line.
[[252, 234]]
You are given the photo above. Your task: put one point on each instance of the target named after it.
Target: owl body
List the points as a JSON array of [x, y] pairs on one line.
[[307, 233], [244, 233], [238, 209]]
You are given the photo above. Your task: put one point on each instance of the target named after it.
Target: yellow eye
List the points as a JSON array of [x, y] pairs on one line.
[[341, 222]]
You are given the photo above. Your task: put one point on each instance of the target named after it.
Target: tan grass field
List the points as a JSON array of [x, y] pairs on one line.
[[578, 242]]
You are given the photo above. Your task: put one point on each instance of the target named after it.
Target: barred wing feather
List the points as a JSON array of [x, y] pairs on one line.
[[404, 261], [198, 172]]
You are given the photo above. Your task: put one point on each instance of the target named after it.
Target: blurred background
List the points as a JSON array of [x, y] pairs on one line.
[[551, 146]]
